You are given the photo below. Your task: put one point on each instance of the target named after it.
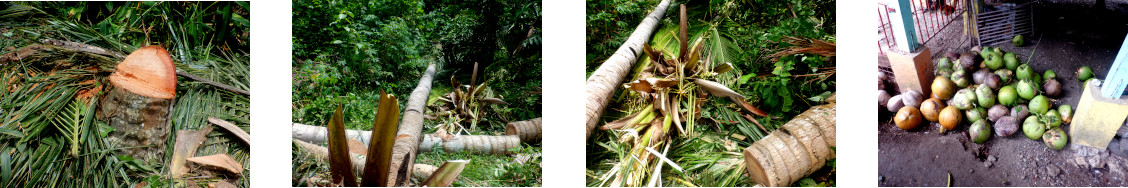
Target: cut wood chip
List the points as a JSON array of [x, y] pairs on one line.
[[187, 141], [357, 147], [221, 163], [446, 174], [147, 72], [238, 132]]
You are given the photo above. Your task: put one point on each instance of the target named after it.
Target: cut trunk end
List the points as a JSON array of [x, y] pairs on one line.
[[137, 106], [798, 149], [529, 131]]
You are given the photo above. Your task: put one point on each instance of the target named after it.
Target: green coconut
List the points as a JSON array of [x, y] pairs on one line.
[[1039, 105], [964, 99], [1008, 96], [1084, 73], [1033, 128], [1049, 75], [1026, 89], [1017, 41], [980, 131], [944, 62], [1051, 118], [995, 61], [1024, 72], [960, 78], [976, 114], [1066, 112], [1055, 138], [1005, 75], [1011, 61], [984, 95]]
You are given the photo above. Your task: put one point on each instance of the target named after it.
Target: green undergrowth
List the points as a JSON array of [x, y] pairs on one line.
[[492, 170], [743, 33]]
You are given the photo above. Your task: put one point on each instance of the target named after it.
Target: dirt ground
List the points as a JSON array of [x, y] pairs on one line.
[[1067, 36]]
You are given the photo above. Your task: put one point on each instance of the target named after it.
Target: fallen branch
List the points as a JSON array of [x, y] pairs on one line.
[[213, 83], [477, 144], [238, 132], [410, 130], [602, 83]]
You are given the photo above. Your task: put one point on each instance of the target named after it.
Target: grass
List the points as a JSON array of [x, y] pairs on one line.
[[66, 148]]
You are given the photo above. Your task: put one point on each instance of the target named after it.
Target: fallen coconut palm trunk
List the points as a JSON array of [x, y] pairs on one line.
[[800, 147], [420, 172], [603, 82], [529, 130], [410, 129], [477, 144], [138, 105]]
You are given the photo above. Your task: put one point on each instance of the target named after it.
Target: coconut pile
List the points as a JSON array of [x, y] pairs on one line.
[[991, 91]]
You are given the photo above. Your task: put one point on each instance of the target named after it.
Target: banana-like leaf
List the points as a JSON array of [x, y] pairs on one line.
[[474, 76], [379, 158], [722, 68], [655, 56], [717, 89], [340, 167], [661, 82], [640, 86], [446, 174], [492, 100], [694, 55], [749, 107]]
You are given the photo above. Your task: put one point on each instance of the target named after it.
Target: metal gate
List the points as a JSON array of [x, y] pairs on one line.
[[929, 18]]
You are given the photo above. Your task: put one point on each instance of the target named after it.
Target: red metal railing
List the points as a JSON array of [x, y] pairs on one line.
[[929, 18]]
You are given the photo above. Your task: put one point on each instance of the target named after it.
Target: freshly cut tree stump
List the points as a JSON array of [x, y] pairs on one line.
[[529, 130], [138, 105], [800, 147], [476, 144]]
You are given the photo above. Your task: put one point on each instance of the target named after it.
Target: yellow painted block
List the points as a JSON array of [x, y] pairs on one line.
[[1097, 118], [913, 70]]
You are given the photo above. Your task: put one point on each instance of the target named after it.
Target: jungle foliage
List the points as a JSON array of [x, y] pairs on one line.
[[746, 33], [55, 141], [347, 52]]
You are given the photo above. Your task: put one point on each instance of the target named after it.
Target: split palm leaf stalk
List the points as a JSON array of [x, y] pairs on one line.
[[672, 90], [464, 104], [376, 168]]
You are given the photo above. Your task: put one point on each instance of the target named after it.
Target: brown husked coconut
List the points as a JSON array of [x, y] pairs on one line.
[[138, 103]]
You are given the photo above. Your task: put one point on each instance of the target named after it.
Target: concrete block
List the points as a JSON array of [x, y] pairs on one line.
[[1097, 118], [913, 70]]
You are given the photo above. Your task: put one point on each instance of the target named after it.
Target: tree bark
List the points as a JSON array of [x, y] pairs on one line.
[[529, 130], [800, 147], [475, 144], [138, 104], [495, 145], [410, 131], [603, 82]]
